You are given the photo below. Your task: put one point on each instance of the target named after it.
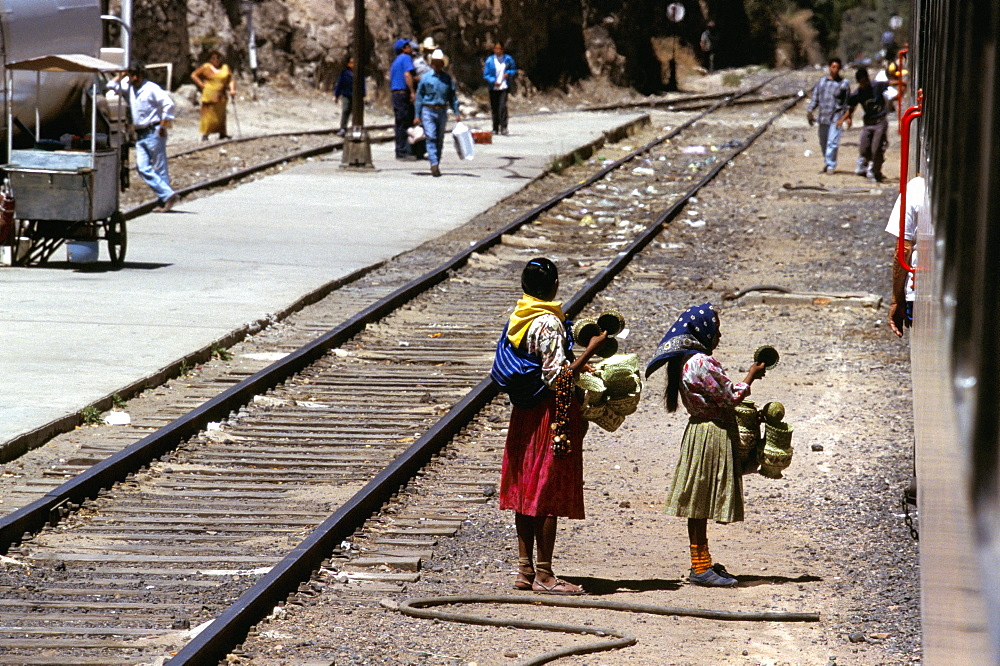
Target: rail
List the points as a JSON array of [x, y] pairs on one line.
[[904, 158]]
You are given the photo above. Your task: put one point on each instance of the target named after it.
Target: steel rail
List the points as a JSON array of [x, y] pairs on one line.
[[232, 626]]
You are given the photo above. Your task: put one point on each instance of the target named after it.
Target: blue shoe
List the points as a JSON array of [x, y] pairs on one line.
[[711, 578]]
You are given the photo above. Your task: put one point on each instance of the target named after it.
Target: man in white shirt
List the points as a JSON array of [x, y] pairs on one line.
[[901, 309], [152, 115]]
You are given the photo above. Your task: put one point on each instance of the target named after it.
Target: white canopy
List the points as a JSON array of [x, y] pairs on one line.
[[67, 62]]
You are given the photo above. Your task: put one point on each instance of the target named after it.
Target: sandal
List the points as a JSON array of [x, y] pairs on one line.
[[525, 574], [558, 587]]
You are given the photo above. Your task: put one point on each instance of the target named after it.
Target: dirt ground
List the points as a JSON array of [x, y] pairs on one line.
[[828, 538]]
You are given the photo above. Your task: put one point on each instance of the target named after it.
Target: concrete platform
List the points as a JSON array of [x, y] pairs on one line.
[[70, 337]]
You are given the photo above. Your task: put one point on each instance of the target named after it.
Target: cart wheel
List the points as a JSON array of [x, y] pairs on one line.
[[117, 237]]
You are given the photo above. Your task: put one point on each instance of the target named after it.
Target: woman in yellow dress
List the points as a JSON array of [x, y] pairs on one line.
[[215, 80]]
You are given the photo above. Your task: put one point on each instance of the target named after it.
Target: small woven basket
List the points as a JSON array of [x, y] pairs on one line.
[[620, 374], [777, 452], [626, 405], [584, 330], [604, 415], [611, 321], [608, 348], [749, 429]]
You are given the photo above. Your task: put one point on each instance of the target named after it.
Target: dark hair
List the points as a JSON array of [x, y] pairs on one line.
[[539, 278], [674, 366], [137, 67], [215, 52], [835, 60], [861, 75]]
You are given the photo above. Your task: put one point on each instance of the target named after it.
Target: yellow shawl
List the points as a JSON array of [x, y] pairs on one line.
[[527, 309]]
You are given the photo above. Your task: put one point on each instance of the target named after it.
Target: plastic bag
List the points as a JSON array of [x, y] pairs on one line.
[[415, 134], [464, 145]]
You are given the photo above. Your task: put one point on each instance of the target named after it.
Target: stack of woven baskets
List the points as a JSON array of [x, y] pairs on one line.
[[611, 392], [776, 454], [773, 451]]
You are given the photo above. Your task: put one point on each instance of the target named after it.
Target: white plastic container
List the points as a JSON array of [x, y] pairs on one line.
[[464, 144]]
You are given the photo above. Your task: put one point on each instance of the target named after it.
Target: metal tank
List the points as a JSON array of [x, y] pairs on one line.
[[31, 28]]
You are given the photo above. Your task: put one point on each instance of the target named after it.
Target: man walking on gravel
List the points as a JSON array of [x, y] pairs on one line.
[[875, 133], [829, 95]]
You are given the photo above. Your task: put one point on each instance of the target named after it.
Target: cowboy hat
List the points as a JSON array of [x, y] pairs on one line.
[[429, 44]]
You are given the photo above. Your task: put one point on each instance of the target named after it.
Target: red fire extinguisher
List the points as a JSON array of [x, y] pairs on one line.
[[6, 214]]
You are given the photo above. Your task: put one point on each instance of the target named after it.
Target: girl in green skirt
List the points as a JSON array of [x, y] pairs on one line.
[[707, 483]]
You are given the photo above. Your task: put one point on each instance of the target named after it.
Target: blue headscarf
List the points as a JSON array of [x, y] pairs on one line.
[[696, 330]]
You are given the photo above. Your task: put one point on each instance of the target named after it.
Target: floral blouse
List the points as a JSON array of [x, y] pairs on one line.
[[706, 391], [546, 338]]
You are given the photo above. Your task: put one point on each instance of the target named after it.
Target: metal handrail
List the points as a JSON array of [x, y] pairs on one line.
[[904, 157], [900, 85]]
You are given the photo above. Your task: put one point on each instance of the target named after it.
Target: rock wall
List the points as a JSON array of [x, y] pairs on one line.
[[555, 42]]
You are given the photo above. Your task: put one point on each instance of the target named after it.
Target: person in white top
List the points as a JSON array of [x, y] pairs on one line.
[[901, 309], [499, 71], [152, 115]]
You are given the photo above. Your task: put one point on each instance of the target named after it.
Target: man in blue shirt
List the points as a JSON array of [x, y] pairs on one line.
[[402, 83], [344, 92], [435, 95]]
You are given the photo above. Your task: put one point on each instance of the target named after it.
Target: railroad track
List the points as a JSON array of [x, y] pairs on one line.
[[324, 438]]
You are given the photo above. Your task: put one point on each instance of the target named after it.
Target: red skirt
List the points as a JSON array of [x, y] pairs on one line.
[[533, 481]]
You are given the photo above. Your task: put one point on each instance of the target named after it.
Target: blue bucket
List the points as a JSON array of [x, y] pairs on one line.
[[82, 252]]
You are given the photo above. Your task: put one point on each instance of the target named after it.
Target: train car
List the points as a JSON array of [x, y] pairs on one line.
[[955, 351], [34, 28]]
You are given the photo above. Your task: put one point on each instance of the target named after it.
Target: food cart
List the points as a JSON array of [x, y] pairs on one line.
[[66, 191]]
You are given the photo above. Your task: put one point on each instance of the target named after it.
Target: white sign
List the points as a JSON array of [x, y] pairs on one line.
[[675, 12]]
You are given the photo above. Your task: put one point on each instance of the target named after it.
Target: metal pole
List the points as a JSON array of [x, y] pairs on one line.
[[252, 39], [357, 149], [126, 12]]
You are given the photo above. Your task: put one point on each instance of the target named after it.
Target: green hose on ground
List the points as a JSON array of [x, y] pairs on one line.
[[422, 608]]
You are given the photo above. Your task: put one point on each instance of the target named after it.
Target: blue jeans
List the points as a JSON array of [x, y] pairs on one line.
[[434, 121], [402, 109], [151, 162], [829, 142]]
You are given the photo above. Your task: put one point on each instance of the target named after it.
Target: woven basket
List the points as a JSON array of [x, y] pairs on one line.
[[749, 429], [611, 321], [584, 330], [590, 382], [767, 355], [773, 413], [607, 349], [620, 374], [626, 405], [605, 416], [777, 452]]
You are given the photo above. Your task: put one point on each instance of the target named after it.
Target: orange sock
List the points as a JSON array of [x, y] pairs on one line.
[[701, 561]]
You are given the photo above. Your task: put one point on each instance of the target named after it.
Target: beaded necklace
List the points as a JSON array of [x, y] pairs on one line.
[[563, 388]]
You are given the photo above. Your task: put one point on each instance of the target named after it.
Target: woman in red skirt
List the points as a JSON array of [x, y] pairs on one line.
[[542, 473]]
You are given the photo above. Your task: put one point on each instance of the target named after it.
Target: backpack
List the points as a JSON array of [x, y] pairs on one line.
[[519, 374]]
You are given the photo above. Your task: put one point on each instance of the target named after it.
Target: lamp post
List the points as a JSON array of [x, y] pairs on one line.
[[357, 152]]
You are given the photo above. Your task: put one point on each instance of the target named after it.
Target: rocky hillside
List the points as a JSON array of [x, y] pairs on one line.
[[555, 42]]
